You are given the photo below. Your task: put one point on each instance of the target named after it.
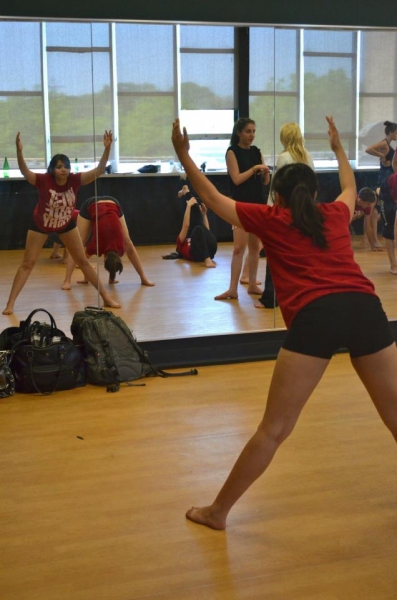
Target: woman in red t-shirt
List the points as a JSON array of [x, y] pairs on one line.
[[53, 214], [326, 301], [104, 231]]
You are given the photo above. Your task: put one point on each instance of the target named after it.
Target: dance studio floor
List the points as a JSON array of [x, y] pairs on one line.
[[182, 302]]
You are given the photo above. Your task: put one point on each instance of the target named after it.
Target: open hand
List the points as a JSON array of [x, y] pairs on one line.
[[18, 142], [107, 138], [333, 133], [180, 140]]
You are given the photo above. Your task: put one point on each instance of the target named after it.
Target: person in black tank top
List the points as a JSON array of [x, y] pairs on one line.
[[248, 176], [385, 151]]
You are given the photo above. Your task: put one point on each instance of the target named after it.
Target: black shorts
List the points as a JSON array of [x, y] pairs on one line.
[[87, 203], [71, 225], [352, 321]]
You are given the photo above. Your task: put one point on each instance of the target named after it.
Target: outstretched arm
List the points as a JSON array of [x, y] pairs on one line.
[[89, 176], [346, 176], [203, 210], [29, 175], [222, 205], [186, 219]]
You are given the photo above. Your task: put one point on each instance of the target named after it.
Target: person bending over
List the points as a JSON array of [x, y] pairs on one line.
[[325, 300], [103, 230], [53, 214]]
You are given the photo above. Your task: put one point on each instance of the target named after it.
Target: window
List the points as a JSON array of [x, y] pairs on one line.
[[69, 81]]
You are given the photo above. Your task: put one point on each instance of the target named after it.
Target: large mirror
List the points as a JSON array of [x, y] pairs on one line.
[[71, 80]]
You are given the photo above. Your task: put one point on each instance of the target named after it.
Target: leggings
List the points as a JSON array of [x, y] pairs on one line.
[[203, 243]]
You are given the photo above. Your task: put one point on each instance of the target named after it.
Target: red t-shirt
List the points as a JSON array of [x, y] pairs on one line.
[[301, 271], [54, 210], [110, 233], [184, 248], [365, 210], [392, 185]]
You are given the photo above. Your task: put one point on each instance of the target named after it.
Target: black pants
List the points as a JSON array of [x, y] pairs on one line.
[[203, 243], [268, 298]]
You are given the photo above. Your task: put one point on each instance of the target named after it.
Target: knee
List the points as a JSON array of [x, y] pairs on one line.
[[276, 433], [238, 251], [28, 265]]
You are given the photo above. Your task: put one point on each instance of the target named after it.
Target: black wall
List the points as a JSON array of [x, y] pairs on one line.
[[306, 12]]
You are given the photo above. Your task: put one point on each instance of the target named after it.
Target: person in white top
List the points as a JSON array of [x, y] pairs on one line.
[[294, 152]]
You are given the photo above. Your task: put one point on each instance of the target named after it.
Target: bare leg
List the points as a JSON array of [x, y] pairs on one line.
[[240, 238], [70, 265], [391, 254], [254, 246], [55, 251], [34, 243], [73, 243], [378, 372], [288, 394], [133, 255], [84, 229]]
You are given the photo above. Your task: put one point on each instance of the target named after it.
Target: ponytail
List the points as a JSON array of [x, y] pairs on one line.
[[297, 185], [306, 217]]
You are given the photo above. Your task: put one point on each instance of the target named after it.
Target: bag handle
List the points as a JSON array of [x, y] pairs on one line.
[[26, 324]]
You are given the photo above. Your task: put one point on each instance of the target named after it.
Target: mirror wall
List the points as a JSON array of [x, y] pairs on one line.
[[72, 80]]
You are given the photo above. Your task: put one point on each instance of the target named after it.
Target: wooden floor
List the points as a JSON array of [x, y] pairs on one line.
[[94, 488], [180, 305]]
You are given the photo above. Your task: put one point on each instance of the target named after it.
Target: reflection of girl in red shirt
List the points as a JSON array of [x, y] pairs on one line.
[[53, 213], [104, 231]]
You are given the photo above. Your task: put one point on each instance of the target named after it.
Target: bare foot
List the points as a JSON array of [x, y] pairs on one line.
[[66, 286], [228, 295], [82, 281], [185, 190], [378, 249], [245, 281], [255, 290], [8, 311], [259, 304], [147, 282], [209, 263], [113, 280], [205, 516], [111, 303], [392, 271], [54, 256]]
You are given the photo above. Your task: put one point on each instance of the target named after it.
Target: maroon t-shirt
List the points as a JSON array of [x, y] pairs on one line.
[[54, 210], [301, 271]]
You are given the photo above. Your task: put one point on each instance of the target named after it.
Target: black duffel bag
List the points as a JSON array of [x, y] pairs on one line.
[[44, 359]]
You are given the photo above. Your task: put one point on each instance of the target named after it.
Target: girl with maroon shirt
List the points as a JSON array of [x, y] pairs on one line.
[[104, 231], [326, 307], [53, 214]]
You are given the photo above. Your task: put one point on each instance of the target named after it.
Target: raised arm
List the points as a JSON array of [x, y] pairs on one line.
[[92, 174], [346, 175], [203, 210], [29, 175], [186, 219], [222, 205]]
